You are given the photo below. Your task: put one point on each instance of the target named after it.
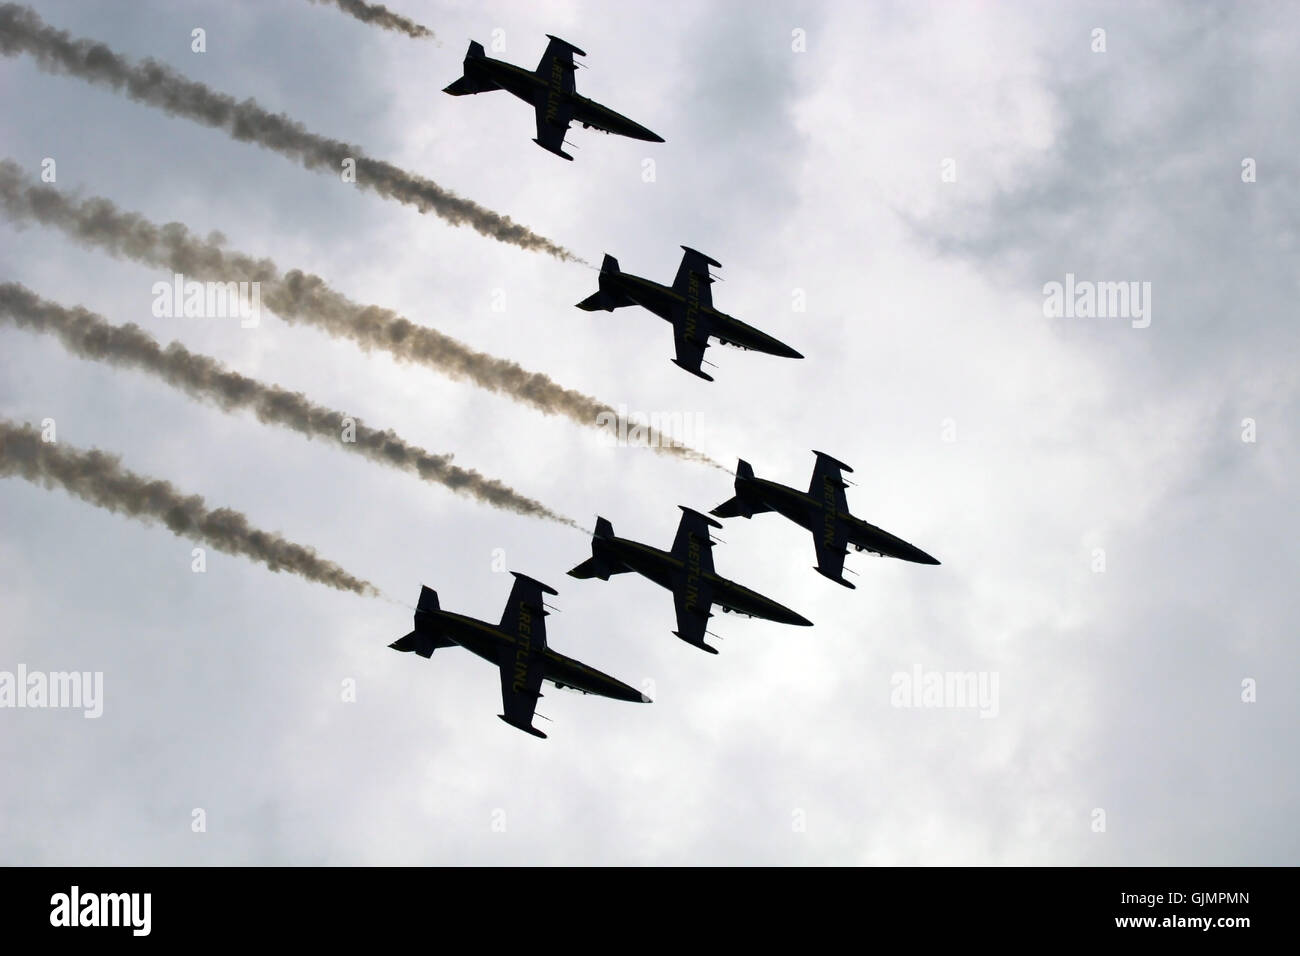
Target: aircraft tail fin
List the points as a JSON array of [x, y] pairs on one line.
[[427, 637], [606, 299], [474, 81], [596, 566], [741, 506]]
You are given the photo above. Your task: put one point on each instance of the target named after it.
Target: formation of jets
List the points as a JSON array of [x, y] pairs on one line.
[[517, 645]]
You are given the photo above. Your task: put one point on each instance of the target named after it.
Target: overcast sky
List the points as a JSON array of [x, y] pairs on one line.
[[1010, 445]]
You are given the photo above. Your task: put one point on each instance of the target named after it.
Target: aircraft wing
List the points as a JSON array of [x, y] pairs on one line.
[[521, 686], [693, 615], [832, 545], [553, 102], [690, 350], [693, 546], [523, 664], [525, 616], [556, 66], [692, 584], [828, 484], [552, 123], [693, 279]]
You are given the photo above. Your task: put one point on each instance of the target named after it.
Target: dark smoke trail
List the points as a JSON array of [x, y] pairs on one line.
[[100, 479], [55, 51], [90, 336], [302, 297], [380, 16]]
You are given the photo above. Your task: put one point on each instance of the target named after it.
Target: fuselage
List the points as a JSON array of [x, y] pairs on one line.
[[528, 85], [822, 516], [701, 321], [488, 641], [663, 568]]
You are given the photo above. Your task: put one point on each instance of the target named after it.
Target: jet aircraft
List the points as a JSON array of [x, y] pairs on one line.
[[688, 305], [551, 91], [823, 509], [687, 571], [517, 646]]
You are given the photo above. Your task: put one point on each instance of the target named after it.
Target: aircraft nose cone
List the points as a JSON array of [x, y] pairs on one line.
[[646, 700]]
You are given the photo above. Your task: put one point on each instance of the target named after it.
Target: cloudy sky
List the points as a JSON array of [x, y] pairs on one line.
[[915, 175]]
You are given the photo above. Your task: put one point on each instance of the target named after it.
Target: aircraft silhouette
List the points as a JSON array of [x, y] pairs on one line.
[[823, 509], [551, 91], [688, 305], [687, 571], [517, 646]]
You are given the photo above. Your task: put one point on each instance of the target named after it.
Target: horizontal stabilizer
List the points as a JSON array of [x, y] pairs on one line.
[[735, 507], [421, 644], [468, 85], [592, 568], [597, 302], [474, 80]]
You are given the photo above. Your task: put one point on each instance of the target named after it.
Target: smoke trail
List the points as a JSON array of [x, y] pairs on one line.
[[90, 336], [301, 297], [55, 51], [100, 479], [380, 16]]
